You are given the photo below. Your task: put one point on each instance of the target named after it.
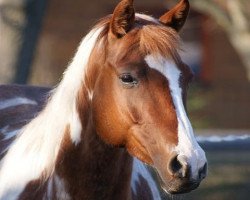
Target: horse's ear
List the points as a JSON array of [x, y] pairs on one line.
[[123, 18], [176, 17]]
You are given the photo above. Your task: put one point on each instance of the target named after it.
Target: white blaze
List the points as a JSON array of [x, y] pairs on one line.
[[187, 144]]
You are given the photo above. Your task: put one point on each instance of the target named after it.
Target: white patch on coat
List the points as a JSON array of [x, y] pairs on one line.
[[56, 189], [49, 193], [36, 148], [8, 134], [60, 188], [17, 101], [139, 169], [187, 144]]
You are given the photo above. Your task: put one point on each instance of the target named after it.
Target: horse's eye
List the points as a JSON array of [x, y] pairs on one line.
[[128, 79]]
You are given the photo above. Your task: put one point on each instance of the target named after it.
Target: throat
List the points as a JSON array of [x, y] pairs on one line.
[[93, 169]]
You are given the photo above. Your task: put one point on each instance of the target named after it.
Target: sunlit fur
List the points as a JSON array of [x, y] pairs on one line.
[[15, 102]]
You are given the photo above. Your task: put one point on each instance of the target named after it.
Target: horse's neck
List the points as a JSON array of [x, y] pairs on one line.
[[61, 145], [89, 169], [94, 170]]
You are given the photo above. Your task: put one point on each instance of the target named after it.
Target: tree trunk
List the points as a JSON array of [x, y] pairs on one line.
[[12, 21]]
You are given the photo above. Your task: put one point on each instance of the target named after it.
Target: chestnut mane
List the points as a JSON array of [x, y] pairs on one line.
[[150, 36]]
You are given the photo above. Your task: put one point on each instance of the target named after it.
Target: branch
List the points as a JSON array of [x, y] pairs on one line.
[[239, 20]]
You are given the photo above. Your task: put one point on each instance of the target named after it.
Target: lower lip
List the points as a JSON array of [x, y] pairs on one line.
[[182, 190]]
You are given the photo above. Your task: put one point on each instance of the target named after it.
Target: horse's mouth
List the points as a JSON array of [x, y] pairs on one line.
[[181, 189], [177, 186]]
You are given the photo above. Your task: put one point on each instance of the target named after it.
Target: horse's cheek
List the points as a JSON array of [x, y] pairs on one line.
[[108, 124]]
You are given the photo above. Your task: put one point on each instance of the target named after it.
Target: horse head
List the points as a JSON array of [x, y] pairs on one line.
[[138, 95]]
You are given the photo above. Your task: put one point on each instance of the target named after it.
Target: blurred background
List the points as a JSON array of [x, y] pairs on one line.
[[38, 38]]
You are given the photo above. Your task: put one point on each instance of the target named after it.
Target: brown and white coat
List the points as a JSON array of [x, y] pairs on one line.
[[122, 95]]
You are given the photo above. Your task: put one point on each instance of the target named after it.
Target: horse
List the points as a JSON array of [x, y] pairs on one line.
[[119, 108]]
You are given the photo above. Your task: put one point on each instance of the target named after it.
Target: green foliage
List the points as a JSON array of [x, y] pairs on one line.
[[197, 103]]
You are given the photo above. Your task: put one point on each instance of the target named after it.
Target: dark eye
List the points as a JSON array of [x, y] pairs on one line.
[[128, 79]]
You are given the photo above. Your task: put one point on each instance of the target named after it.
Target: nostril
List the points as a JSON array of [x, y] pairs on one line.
[[174, 165], [178, 166], [203, 172]]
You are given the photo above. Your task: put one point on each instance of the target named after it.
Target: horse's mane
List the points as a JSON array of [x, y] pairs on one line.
[[160, 41], [35, 150]]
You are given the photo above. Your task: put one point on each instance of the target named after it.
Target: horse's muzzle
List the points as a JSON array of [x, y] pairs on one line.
[[181, 180], [180, 188]]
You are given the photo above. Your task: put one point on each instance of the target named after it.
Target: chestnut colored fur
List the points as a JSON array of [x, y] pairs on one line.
[[119, 123], [177, 16]]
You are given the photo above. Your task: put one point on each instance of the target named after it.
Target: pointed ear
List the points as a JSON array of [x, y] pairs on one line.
[[123, 18], [176, 17]]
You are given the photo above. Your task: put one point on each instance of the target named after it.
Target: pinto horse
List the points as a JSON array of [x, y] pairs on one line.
[[119, 107]]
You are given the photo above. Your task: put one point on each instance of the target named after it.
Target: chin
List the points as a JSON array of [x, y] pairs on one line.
[[179, 187]]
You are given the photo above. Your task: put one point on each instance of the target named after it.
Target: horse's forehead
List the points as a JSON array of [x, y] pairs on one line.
[[167, 67], [127, 50], [130, 50], [129, 45]]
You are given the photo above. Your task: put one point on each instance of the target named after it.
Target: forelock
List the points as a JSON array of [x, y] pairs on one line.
[[149, 35], [158, 40]]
